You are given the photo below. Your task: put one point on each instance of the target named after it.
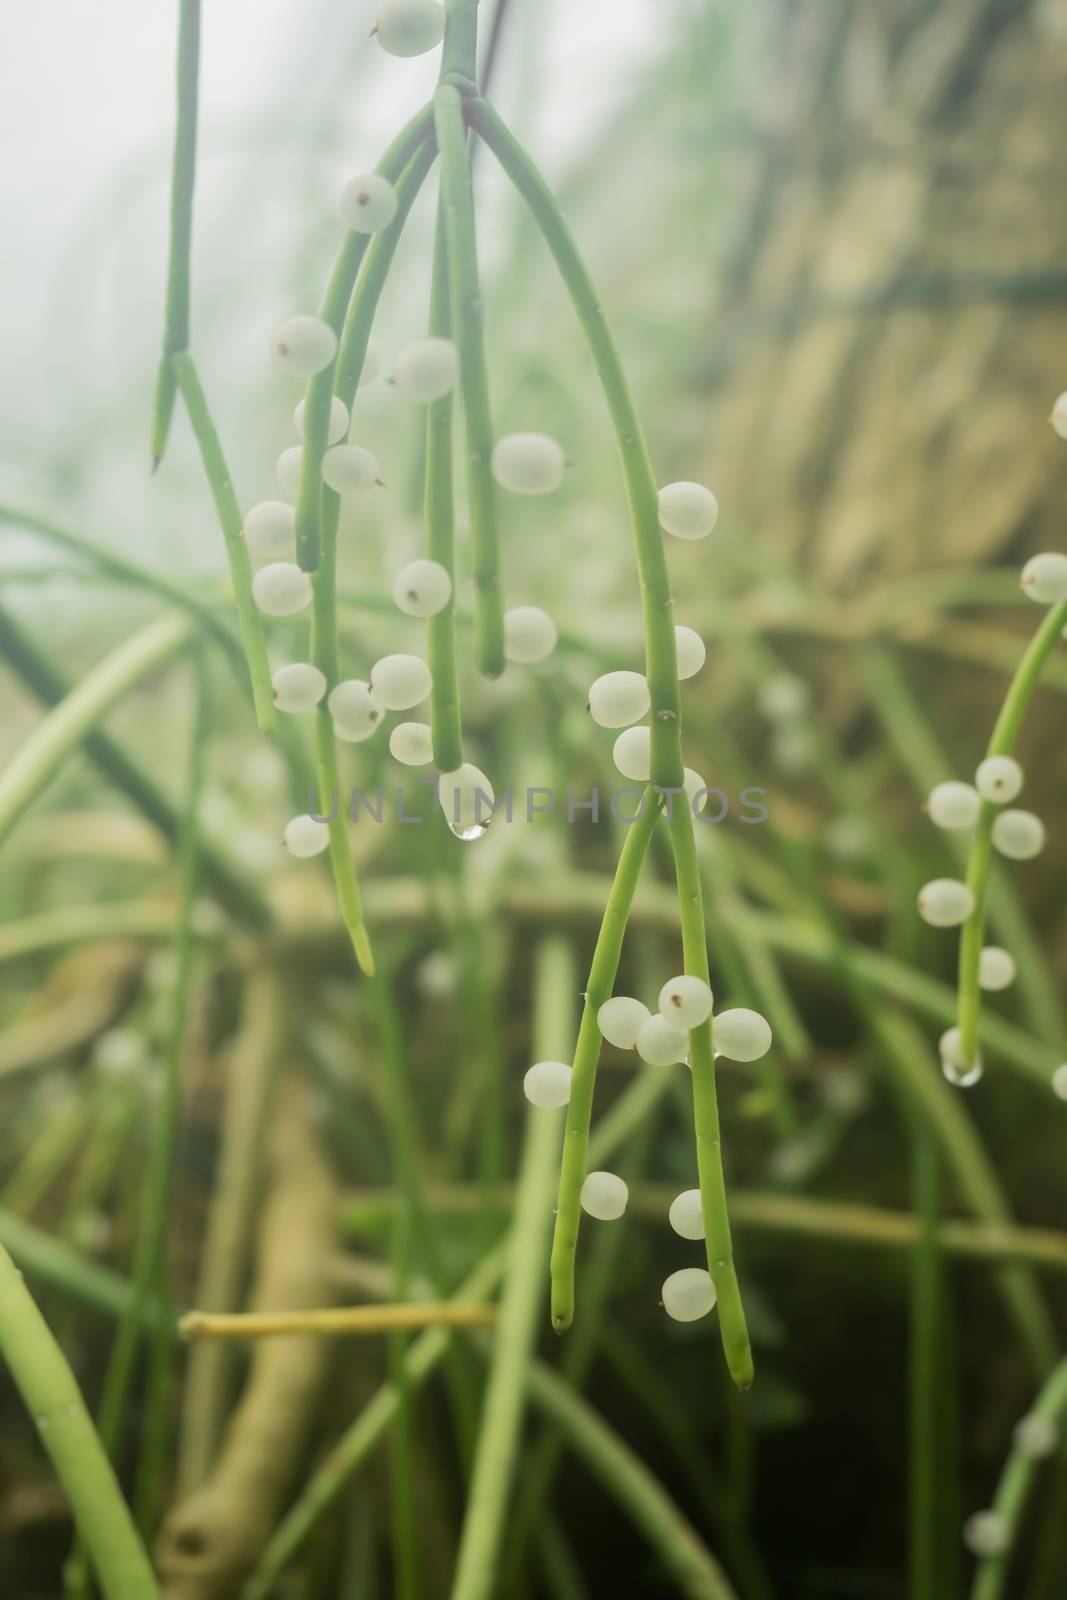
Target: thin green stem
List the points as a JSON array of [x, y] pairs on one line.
[[465, 295], [445, 719], [924, 1498], [229, 514], [459, 55], [183, 178], [1016, 1479]]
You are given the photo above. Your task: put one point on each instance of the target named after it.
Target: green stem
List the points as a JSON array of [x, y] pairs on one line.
[[445, 718], [183, 177], [229, 515], [55, 1402], [1001, 743], [924, 1481], [457, 207], [1018, 1475]]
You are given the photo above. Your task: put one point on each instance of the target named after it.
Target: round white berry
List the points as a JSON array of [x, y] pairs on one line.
[[401, 682], [996, 968], [422, 589], [999, 778], [619, 1020], [338, 420], [1019, 835], [954, 806], [687, 510], [427, 370], [1036, 1436], [618, 698], [547, 1084], [270, 530], [411, 743], [1044, 578], [955, 1065], [528, 463], [660, 1043], [367, 203], [1058, 415], [741, 1034], [287, 470], [688, 1294], [783, 697], [349, 469], [529, 635], [298, 687], [604, 1196], [304, 836], [356, 710], [119, 1052], [696, 791], [280, 589], [304, 345], [945, 902], [466, 798], [686, 1215], [685, 1001], [632, 754], [410, 27], [985, 1533], [690, 650]]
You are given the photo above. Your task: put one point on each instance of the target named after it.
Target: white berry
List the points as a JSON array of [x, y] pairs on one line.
[[945, 902], [427, 370], [999, 778], [422, 589], [686, 1214], [280, 589], [466, 798], [529, 635], [298, 687], [1036, 1436], [548, 1084], [410, 27], [685, 1001], [411, 743], [401, 682], [349, 469], [954, 806], [619, 1020], [338, 420], [783, 697], [956, 1066], [270, 530], [304, 345], [1019, 835], [1059, 1082], [528, 463], [696, 791], [632, 754], [287, 469], [996, 968], [687, 510], [741, 1034], [985, 1533], [367, 203], [356, 710], [1044, 578], [604, 1196], [688, 1294], [305, 836], [660, 1043], [1058, 416], [691, 652], [618, 698]]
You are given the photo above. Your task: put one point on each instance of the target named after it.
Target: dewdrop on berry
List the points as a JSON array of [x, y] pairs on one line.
[[996, 968], [349, 469], [954, 806], [741, 1034], [954, 1064], [945, 902], [1059, 1082], [660, 1043], [410, 27], [356, 710], [304, 345], [688, 1294], [619, 1020], [466, 797], [690, 651], [547, 1084], [298, 687], [632, 754], [422, 589], [1058, 415], [685, 1002], [287, 470], [686, 1214], [687, 510], [604, 1196], [427, 370], [618, 698], [304, 836], [529, 635], [999, 778], [338, 420], [411, 743], [528, 463], [1035, 1436], [985, 1533], [1044, 578], [367, 203], [1019, 835], [401, 682], [280, 589], [783, 697], [270, 530]]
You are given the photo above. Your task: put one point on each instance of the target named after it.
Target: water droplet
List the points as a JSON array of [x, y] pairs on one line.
[[962, 1076], [475, 831]]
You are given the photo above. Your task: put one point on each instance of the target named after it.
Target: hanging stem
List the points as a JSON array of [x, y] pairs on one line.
[[1016, 1480], [183, 178], [445, 717]]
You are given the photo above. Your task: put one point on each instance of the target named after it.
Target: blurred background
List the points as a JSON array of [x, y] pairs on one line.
[[829, 238]]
